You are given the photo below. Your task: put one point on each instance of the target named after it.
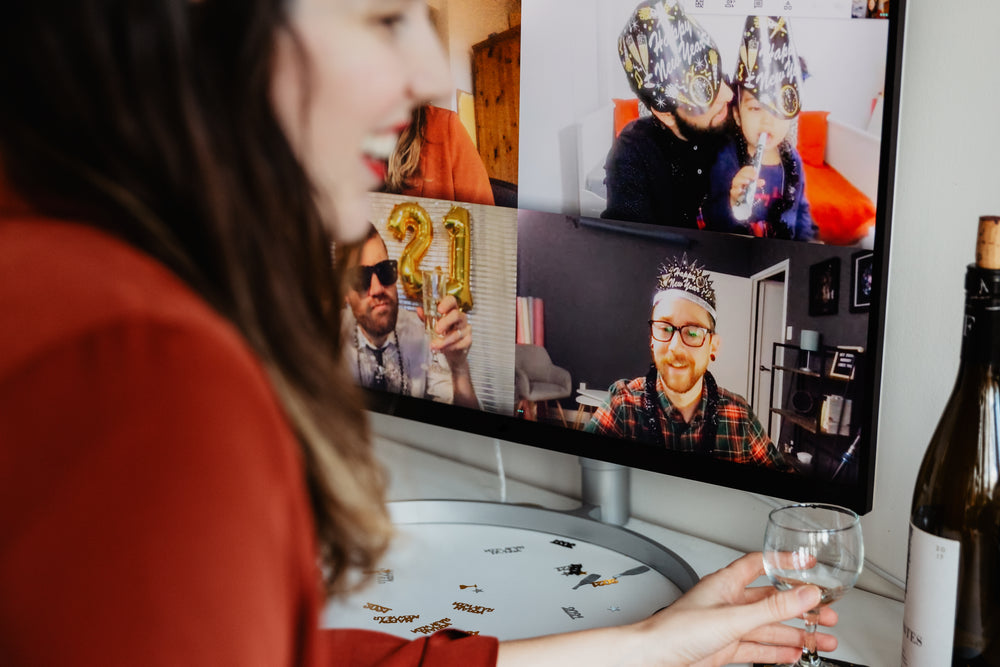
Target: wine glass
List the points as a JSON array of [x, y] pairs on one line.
[[813, 544], [434, 286]]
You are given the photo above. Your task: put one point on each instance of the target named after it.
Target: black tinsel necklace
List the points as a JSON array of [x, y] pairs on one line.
[[775, 227], [380, 369], [651, 412]]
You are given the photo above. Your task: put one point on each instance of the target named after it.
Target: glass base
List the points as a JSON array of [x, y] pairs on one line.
[[825, 662]]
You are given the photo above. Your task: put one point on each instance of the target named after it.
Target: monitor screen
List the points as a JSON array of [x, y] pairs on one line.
[[663, 226]]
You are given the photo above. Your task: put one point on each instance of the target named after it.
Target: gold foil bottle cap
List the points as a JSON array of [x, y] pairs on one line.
[[988, 242]]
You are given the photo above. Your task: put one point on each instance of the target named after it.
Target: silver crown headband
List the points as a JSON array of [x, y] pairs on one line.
[[686, 280]]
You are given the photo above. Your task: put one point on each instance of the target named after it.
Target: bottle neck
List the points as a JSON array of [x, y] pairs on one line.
[[981, 336]]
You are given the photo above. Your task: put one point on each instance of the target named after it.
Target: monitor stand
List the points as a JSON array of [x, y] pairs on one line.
[[605, 491]]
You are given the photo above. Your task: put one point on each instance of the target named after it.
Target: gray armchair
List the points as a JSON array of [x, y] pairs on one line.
[[537, 381]]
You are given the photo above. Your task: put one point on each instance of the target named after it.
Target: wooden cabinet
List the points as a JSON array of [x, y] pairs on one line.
[[496, 78]]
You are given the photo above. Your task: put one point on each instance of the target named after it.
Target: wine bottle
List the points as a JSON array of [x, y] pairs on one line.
[[952, 612]]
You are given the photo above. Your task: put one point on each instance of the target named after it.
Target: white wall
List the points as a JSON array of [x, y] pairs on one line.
[[947, 170], [560, 75], [946, 177]]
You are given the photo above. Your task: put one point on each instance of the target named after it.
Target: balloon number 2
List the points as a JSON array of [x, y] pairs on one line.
[[411, 216]]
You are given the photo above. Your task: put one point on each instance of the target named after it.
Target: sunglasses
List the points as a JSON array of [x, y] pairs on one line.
[[385, 271]]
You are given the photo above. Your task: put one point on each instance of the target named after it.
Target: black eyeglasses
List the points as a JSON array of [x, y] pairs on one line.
[[692, 335], [385, 271]]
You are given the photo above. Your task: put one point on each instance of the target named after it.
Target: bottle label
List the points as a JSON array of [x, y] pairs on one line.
[[931, 599]]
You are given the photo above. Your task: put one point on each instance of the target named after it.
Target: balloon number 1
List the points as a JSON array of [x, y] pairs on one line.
[[411, 216], [456, 223]]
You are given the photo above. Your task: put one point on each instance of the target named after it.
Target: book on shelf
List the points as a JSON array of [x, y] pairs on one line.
[[835, 415], [530, 321]]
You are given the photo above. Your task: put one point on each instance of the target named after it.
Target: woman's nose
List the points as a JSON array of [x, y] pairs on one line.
[[430, 74]]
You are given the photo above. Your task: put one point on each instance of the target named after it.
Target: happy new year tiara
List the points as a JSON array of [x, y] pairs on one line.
[[688, 280]]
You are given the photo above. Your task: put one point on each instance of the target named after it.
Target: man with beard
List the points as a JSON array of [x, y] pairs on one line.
[[388, 348], [678, 404], [657, 169]]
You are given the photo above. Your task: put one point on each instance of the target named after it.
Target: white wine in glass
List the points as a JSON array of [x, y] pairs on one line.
[[814, 544]]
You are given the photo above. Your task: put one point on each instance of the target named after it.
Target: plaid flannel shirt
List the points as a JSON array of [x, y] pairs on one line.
[[740, 436]]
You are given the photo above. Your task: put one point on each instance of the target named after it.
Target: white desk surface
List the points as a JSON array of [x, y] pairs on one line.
[[870, 625], [594, 397]]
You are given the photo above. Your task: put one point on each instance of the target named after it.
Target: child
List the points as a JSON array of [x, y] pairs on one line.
[[757, 183]]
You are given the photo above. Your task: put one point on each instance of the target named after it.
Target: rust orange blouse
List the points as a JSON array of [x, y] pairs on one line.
[[450, 166], [152, 506]]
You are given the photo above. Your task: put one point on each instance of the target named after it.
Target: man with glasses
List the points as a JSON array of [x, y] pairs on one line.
[[678, 404], [387, 348]]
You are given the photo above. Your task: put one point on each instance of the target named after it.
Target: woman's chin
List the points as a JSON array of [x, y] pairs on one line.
[[347, 216]]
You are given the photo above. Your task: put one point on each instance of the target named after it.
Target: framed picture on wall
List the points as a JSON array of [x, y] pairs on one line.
[[861, 281], [824, 287]]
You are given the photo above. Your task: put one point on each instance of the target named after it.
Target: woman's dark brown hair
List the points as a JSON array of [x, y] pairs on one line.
[[152, 119]]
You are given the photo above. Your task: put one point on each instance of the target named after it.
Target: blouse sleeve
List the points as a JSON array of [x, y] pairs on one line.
[[153, 506], [447, 648], [469, 175]]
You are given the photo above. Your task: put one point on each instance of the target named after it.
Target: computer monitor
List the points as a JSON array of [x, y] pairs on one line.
[[560, 280]]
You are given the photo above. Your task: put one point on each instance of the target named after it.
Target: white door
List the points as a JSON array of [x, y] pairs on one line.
[[768, 289]]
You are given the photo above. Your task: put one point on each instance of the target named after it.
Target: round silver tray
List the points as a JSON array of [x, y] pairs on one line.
[[510, 571]]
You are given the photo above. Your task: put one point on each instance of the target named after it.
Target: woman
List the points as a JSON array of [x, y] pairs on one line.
[[435, 158], [178, 438]]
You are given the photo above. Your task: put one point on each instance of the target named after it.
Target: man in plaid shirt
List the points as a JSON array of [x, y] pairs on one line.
[[678, 404]]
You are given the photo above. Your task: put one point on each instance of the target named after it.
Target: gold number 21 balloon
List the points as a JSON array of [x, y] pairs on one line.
[[403, 218], [410, 215]]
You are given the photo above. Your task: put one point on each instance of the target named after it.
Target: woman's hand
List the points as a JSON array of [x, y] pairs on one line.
[[723, 620], [719, 621]]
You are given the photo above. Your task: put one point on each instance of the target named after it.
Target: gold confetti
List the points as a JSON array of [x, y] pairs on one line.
[[433, 627], [408, 618], [472, 609]]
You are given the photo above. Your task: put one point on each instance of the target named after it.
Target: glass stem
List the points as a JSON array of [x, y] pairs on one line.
[[809, 657]]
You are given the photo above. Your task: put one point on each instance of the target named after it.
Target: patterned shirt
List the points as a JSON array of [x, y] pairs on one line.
[[740, 437]]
